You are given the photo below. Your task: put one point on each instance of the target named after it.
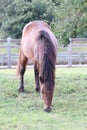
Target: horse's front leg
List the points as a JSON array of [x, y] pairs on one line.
[[36, 72], [22, 71]]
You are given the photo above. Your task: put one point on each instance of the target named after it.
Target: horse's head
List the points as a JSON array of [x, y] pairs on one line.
[[46, 93]]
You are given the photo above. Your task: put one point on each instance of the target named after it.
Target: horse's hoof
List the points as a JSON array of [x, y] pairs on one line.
[[21, 90], [47, 110], [37, 89]]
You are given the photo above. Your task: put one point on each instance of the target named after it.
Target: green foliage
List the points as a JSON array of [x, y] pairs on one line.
[[25, 111], [17, 14], [70, 20], [67, 18]]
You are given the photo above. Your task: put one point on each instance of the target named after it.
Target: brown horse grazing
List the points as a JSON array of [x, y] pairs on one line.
[[39, 44]]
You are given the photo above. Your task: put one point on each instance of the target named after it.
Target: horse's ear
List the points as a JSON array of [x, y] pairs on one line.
[[41, 79]]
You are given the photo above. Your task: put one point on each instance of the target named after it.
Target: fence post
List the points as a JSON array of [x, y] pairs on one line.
[[70, 53], [9, 52]]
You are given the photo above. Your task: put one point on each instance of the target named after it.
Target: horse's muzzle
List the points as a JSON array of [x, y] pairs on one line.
[[47, 110]]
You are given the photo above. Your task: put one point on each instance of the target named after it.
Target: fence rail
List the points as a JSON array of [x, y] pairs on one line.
[[74, 53]]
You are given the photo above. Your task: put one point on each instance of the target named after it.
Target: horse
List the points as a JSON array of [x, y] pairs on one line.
[[39, 44]]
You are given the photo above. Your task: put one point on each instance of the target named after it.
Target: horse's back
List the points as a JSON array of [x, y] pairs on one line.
[[30, 34], [32, 28]]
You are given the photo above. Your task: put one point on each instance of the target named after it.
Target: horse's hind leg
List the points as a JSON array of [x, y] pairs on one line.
[[23, 63], [36, 72]]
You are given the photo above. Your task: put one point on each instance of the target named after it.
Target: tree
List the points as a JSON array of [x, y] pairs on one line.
[[42, 10], [70, 20], [17, 14], [3, 14]]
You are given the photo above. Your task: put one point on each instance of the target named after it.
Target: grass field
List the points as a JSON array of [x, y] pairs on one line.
[[25, 111]]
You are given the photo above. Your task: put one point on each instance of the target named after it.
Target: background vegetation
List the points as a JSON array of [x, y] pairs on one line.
[[25, 111], [68, 18]]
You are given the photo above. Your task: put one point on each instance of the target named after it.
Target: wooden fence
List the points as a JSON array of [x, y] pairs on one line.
[[74, 53], [9, 49]]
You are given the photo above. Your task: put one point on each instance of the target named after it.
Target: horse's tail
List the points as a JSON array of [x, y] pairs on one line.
[[49, 58]]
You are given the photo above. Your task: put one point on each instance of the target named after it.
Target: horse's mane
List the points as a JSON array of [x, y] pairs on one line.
[[48, 62]]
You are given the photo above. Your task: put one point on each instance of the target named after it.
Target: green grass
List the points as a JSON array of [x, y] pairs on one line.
[[74, 49], [13, 50], [25, 111]]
